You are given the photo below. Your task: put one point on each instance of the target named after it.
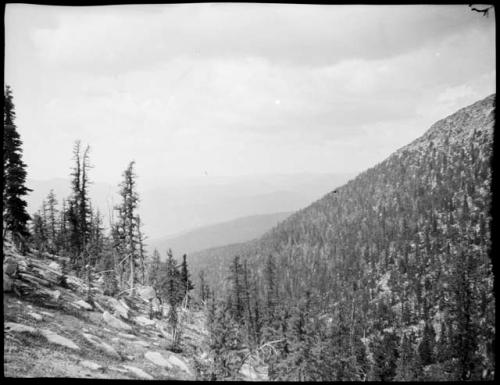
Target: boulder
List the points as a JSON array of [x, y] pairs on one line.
[[144, 321], [58, 340], [147, 292], [84, 305], [157, 359], [90, 365], [248, 373], [10, 267], [138, 372], [22, 265], [115, 322], [55, 294], [50, 276], [181, 363], [142, 343], [118, 307], [122, 302], [156, 305], [101, 345], [55, 266], [18, 328], [36, 316]]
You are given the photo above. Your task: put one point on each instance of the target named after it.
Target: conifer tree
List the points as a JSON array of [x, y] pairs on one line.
[[385, 354], [62, 231], [271, 286], [185, 277], [225, 342], [172, 290], [204, 289], [79, 211], [96, 240], [155, 271], [171, 287], [236, 294], [15, 216], [405, 370], [426, 347], [127, 228], [301, 342], [39, 234], [52, 221]]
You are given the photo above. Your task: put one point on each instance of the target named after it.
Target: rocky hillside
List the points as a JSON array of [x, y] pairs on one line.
[[51, 330]]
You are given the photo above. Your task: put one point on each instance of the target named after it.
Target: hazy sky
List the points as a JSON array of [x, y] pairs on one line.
[[235, 89]]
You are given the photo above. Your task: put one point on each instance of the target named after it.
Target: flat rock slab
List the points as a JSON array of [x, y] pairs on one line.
[[101, 345], [35, 316], [120, 309], [157, 359], [84, 305], [18, 328], [180, 362], [115, 322], [125, 335], [124, 304], [58, 340], [138, 372], [118, 369], [142, 343], [141, 320], [90, 365], [147, 292], [250, 374]]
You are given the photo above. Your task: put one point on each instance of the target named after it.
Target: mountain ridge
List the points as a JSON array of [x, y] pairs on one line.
[[218, 234], [479, 115]]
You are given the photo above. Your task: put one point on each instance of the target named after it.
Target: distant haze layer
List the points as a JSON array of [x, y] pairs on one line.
[[220, 234], [185, 204]]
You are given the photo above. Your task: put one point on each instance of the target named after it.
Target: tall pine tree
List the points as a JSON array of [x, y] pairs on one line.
[[15, 216]]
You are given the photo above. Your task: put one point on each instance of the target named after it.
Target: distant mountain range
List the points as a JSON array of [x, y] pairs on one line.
[[103, 195], [182, 205], [219, 234]]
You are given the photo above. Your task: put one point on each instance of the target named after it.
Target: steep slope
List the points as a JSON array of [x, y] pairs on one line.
[[219, 234], [397, 259]]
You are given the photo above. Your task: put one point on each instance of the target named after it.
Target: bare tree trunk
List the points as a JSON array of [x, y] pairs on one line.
[[131, 276]]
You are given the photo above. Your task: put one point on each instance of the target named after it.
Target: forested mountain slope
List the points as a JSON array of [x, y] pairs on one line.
[[401, 250]]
